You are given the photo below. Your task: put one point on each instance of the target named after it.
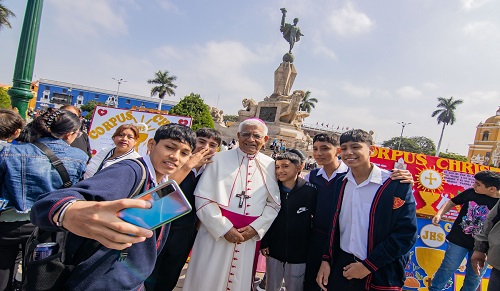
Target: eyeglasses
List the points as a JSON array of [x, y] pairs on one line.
[[249, 134]]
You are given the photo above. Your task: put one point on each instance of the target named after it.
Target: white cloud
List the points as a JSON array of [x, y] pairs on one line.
[[322, 50], [430, 85], [468, 5], [90, 18], [170, 52], [354, 90], [482, 30], [168, 5], [347, 21], [408, 92]]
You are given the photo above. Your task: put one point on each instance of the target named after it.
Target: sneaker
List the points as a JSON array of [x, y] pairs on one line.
[[258, 288]]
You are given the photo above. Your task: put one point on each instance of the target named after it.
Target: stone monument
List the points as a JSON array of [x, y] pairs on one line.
[[281, 110]]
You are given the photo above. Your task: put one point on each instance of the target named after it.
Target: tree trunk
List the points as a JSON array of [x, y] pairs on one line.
[[159, 104], [440, 139]]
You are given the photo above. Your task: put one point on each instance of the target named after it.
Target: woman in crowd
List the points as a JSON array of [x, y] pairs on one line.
[[26, 173], [125, 138]]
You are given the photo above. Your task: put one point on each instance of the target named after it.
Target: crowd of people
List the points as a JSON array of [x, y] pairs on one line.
[[347, 225]]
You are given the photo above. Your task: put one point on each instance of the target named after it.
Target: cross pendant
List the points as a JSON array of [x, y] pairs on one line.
[[242, 197]]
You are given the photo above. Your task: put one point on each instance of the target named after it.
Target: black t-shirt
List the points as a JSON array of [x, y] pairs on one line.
[[470, 220]]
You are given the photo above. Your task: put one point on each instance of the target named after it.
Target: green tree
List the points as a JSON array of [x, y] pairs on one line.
[[230, 118], [308, 103], [4, 99], [445, 114], [193, 106], [89, 108], [164, 85], [453, 156], [425, 144], [407, 144], [5, 14]]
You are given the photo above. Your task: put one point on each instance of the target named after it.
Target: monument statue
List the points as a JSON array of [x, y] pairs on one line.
[[217, 115], [291, 113], [291, 32], [250, 108]]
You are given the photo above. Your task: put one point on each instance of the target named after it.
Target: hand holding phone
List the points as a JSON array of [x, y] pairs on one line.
[[167, 203]]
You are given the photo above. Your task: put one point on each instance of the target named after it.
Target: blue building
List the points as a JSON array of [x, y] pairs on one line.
[[56, 94]]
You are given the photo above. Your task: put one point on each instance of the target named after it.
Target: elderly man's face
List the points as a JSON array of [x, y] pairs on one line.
[[251, 138]]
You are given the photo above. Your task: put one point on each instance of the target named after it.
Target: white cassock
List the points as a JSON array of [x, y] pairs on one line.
[[216, 264]]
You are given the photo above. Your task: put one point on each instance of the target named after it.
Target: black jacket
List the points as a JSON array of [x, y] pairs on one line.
[[288, 236]]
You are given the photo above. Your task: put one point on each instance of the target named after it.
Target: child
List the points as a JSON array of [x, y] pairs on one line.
[[486, 241], [285, 244], [476, 203], [90, 207], [325, 152], [374, 224], [182, 233], [11, 124]]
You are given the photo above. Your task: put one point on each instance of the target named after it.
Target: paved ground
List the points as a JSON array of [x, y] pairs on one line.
[[183, 275]]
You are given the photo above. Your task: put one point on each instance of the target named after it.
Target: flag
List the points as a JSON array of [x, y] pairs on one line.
[[322, 124], [316, 123], [327, 124]]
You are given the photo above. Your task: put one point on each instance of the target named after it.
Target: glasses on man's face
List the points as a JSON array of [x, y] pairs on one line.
[[249, 134]]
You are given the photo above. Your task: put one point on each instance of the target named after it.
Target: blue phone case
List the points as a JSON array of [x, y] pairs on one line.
[[168, 203]]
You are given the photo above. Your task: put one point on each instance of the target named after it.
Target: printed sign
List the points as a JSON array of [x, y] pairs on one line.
[[436, 179], [427, 255], [106, 120]]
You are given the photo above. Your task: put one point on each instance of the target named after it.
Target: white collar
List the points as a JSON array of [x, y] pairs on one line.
[[248, 156], [199, 172], [342, 168], [375, 176]]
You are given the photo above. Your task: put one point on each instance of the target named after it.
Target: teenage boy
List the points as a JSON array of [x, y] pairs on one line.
[[487, 240], [373, 227], [476, 203], [325, 153], [89, 211], [183, 231], [285, 244]]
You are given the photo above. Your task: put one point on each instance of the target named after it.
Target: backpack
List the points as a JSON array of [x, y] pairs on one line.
[[51, 273]]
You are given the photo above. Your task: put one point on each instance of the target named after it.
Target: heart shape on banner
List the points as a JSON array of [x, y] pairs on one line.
[[183, 122], [102, 112]]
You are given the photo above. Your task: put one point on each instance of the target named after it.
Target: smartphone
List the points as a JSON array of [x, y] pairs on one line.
[[168, 203]]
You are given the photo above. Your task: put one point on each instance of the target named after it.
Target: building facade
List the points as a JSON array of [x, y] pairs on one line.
[[52, 93], [486, 147]]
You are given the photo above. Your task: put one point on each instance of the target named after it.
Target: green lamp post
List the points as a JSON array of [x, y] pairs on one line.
[[20, 92]]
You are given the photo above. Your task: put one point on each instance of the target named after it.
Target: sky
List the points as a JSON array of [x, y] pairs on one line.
[[371, 64]]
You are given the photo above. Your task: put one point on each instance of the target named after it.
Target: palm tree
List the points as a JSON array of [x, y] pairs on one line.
[[445, 114], [307, 103], [5, 13], [165, 85]]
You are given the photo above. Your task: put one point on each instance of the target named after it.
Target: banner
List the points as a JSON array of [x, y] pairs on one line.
[[436, 179], [106, 120], [427, 255]]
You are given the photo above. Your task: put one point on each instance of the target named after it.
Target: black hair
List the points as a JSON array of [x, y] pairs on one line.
[[488, 178], [292, 157], [356, 135], [209, 133], [51, 123], [10, 122], [325, 137], [299, 153], [177, 132]]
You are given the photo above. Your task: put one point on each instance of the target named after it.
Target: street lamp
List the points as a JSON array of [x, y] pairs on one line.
[[119, 81], [403, 124]]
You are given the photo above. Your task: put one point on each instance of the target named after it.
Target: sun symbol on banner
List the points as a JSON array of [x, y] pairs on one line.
[[429, 179]]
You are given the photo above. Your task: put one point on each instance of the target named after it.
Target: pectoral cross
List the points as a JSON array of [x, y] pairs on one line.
[[242, 197]]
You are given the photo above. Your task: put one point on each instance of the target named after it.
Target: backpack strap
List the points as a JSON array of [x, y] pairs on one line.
[[144, 176], [56, 162]]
